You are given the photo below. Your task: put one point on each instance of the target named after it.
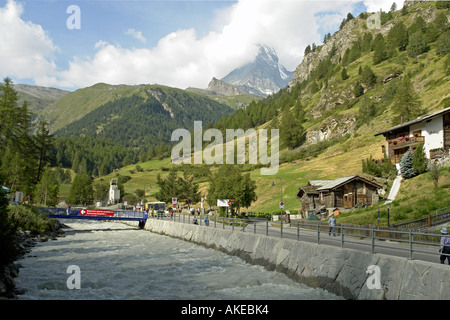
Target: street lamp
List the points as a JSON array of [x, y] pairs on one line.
[[388, 207]]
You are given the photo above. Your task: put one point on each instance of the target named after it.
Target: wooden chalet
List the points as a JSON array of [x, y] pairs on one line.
[[432, 130], [346, 192]]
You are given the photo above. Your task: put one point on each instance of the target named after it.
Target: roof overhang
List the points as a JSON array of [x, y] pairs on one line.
[[417, 120]]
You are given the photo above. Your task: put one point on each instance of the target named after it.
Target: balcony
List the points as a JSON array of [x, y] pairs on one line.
[[398, 147], [404, 142]]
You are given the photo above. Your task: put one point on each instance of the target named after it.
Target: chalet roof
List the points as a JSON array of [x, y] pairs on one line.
[[335, 183], [307, 190], [417, 120], [316, 186]]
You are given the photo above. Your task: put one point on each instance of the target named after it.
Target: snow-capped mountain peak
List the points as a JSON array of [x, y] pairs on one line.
[[263, 76]]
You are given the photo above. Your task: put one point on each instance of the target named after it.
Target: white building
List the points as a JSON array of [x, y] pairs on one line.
[[114, 192], [432, 130]]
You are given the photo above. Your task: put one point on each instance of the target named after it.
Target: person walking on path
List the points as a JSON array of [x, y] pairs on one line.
[[445, 246], [332, 224]]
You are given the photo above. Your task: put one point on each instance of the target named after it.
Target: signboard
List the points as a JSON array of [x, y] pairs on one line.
[[86, 212], [281, 204], [174, 200], [223, 202]]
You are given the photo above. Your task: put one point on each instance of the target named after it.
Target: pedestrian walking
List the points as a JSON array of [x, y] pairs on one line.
[[332, 224], [445, 246], [206, 221]]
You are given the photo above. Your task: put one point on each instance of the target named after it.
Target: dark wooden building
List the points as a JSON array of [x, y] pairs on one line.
[[345, 192]]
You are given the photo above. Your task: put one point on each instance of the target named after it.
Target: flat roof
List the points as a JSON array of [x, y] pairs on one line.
[[417, 120]]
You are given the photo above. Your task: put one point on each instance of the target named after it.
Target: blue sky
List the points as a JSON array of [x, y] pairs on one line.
[[177, 43]]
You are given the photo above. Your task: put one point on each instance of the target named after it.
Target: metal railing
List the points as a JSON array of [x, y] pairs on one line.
[[404, 243], [77, 212], [440, 216], [412, 244]]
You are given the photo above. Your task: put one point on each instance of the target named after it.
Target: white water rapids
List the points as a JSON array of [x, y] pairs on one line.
[[117, 261]]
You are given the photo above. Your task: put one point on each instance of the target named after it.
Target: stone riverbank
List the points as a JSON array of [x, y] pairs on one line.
[[348, 273], [24, 243]]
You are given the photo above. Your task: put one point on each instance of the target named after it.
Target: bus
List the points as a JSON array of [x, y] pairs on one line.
[[156, 207]]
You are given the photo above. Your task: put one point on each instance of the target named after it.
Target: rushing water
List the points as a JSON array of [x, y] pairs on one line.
[[117, 261]]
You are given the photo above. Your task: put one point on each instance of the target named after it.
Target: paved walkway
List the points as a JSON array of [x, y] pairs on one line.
[[420, 251]]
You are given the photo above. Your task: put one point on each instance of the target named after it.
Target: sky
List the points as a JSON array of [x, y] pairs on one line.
[[71, 44]]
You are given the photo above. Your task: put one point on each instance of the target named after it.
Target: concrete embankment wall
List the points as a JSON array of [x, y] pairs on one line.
[[338, 270]]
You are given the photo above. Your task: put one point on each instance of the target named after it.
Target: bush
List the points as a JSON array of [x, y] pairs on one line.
[[382, 168]]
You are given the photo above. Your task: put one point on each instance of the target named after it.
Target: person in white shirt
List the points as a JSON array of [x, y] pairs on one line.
[[332, 224], [445, 246]]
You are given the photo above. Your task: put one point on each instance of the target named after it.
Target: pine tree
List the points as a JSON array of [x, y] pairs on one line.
[[274, 123], [190, 192], [379, 48], [420, 161], [416, 44], [344, 74], [398, 37], [43, 142], [81, 191], [9, 114], [406, 102], [291, 130], [47, 189], [368, 78], [366, 42], [358, 90], [406, 165], [443, 44]]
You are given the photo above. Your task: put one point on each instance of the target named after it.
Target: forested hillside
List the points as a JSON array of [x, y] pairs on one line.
[[132, 128]]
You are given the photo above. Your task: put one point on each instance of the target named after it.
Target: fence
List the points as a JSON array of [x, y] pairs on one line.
[[407, 243], [441, 215], [411, 243]]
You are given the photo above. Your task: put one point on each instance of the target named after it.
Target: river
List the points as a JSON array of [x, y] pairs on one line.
[[120, 262]]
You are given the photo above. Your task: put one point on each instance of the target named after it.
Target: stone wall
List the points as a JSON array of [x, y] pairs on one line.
[[338, 270]]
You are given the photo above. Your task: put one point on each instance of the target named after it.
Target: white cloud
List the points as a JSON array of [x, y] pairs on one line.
[[181, 58], [136, 34], [26, 50], [385, 5]]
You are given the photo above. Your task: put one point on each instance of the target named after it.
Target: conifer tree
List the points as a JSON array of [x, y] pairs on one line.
[[358, 90], [344, 74], [81, 191], [416, 44], [406, 102], [43, 141], [379, 48], [406, 165], [398, 37], [291, 130], [47, 189], [420, 161], [368, 78]]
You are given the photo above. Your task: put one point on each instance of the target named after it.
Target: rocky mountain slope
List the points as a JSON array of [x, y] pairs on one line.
[[38, 97]]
